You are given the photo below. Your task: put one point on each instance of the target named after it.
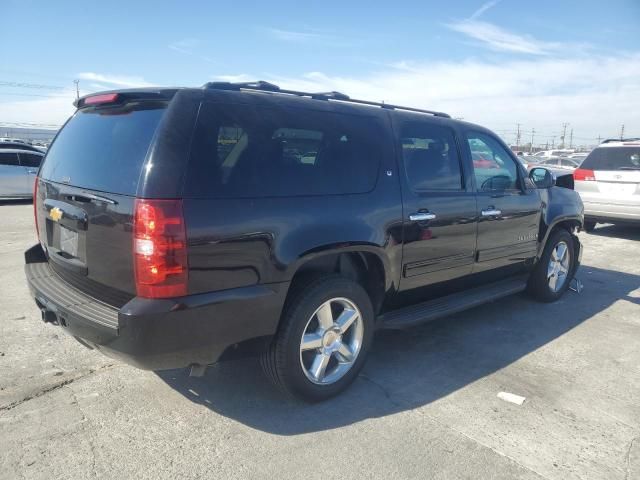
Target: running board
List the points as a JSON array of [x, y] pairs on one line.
[[454, 303]]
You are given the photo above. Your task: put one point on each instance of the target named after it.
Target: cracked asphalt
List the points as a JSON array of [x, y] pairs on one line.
[[426, 405]]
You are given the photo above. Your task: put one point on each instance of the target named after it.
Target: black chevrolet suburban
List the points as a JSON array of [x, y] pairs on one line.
[[182, 227]]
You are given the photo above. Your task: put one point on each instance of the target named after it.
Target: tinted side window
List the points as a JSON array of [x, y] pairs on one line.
[[430, 157], [246, 151], [30, 160], [8, 158], [565, 162], [493, 167]]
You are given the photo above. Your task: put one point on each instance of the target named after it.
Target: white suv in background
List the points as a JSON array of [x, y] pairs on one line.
[[609, 183]]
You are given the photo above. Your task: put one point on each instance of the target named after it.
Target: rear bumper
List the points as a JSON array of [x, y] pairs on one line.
[[158, 334], [610, 211]]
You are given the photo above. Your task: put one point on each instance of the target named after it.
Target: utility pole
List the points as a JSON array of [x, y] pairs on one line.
[[564, 134], [77, 89], [622, 132], [518, 137], [533, 131], [599, 139], [553, 143], [571, 139]]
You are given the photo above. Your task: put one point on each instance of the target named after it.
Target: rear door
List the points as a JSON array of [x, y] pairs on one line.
[[13, 180], [439, 222], [508, 213], [86, 194]]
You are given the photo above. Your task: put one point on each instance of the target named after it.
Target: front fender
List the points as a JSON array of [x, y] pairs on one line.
[[559, 205]]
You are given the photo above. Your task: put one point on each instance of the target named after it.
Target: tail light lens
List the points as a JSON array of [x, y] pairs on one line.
[[35, 206], [160, 248], [584, 175]]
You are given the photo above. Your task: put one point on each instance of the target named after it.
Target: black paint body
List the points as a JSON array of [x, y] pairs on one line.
[[244, 252]]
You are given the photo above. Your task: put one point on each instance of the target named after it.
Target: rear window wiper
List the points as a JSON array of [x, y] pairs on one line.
[[629, 168]]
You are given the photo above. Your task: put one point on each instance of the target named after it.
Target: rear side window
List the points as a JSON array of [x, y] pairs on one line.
[[30, 160], [430, 157], [8, 159], [613, 158], [104, 149], [246, 151]]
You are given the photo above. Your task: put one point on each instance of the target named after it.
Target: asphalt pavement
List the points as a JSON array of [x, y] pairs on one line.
[[426, 405]]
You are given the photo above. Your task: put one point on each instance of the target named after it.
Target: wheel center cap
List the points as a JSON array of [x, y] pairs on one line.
[[329, 338]]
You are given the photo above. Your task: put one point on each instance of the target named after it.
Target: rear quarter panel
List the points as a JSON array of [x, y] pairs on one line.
[[235, 242], [240, 242]]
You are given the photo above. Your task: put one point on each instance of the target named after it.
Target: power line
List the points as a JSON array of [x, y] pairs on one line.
[[39, 86], [29, 125], [14, 94]]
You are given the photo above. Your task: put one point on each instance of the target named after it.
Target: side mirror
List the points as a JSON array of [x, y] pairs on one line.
[[541, 177]]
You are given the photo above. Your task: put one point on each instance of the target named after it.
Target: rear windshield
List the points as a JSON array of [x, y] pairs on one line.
[[613, 158], [104, 149]]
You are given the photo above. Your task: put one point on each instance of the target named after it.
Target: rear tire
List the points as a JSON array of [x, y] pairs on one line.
[[552, 274], [325, 333], [589, 226]]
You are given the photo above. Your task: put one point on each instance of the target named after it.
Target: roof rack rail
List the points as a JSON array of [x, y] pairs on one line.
[[610, 140], [262, 86]]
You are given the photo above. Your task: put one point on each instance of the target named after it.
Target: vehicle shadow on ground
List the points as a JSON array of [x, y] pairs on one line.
[[409, 368], [626, 232]]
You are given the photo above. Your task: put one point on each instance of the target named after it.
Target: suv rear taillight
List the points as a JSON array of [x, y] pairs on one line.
[[584, 175], [159, 248]]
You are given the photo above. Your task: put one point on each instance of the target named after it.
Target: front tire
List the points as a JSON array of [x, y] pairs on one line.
[[553, 272], [325, 333]]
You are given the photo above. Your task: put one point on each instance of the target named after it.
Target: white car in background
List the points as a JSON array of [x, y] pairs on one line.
[[18, 170], [608, 182], [553, 153], [560, 162]]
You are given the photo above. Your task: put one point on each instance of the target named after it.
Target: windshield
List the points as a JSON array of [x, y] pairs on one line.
[[613, 158], [104, 149]]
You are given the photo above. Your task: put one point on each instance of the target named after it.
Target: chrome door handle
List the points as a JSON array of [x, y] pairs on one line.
[[31, 171], [491, 212], [422, 216]]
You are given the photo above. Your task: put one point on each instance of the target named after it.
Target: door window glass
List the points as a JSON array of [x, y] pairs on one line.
[[493, 167], [8, 158], [430, 157], [30, 160]]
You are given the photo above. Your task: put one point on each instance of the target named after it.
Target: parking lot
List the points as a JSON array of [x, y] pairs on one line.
[[426, 405]]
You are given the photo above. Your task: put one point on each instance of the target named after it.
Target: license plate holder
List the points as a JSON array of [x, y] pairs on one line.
[[68, 241]]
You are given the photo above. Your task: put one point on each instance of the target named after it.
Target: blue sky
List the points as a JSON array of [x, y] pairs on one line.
[[497, 63]]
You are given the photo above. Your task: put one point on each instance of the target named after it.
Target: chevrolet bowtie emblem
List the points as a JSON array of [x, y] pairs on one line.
[[55, 213]]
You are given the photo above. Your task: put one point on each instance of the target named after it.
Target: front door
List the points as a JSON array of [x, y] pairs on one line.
[[439, 205], [508, 212]]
